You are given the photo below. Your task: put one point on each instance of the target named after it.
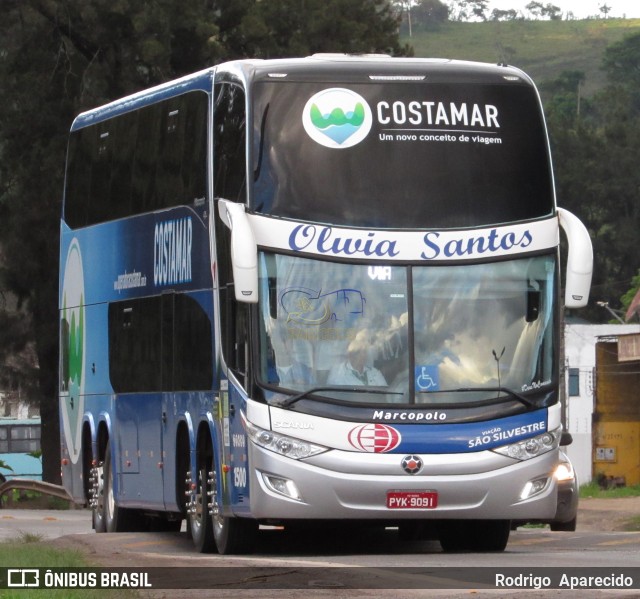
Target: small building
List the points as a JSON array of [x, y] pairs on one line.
[[602, 409]]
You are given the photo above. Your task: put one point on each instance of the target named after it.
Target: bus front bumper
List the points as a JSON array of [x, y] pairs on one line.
[[346, 485]]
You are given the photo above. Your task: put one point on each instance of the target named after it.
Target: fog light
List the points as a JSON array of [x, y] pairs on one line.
[[533, 487], [282, 486]]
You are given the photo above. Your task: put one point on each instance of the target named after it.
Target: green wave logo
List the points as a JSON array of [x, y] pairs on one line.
[[337, 118], [73, 348]]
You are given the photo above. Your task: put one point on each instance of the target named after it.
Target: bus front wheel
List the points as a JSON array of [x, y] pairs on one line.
[[234, 535]]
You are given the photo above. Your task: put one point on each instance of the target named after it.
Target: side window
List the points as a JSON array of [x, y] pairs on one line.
[[80, 156], [229, 143], [140, 161], [160, 343], [230, 178], [143, 178], [234, 316], [193, 346], [135, 344]]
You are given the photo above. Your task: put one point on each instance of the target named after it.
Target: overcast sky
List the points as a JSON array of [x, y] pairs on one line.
[[580, 8]]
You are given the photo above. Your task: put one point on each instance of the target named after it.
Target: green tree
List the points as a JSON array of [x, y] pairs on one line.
[[595, 145], [466, 10], [632, 296], [281, 28], [58, 59], [431, 13]]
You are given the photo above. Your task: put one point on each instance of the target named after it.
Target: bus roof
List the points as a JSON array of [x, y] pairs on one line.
[[319, 67], [376, 67]]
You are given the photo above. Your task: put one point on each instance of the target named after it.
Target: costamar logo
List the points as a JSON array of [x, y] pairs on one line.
[[172, 242]]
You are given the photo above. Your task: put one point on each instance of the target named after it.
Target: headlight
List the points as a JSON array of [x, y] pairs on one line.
[[533, 447], [564, 471], [290, 447]]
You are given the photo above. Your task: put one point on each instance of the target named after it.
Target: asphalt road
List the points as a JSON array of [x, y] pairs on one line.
[[329, 562]]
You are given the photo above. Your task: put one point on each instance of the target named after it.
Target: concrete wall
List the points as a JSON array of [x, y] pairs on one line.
[[580, 352]]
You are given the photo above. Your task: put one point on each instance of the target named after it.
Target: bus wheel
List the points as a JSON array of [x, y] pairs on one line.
[[116, 519], [234, 535], [474, 535], [199, 514], [231, 535], [564, 526]]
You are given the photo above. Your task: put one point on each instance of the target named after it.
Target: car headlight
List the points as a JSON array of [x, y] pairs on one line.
[[532, 447], [290, 447]]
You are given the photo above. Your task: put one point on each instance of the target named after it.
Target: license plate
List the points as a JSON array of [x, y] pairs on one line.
[[411, 500]]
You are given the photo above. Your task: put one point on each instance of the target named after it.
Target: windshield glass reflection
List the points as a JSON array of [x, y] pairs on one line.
[[343, 328]]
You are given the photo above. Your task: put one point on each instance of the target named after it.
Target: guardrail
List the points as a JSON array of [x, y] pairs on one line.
[[34, 485]]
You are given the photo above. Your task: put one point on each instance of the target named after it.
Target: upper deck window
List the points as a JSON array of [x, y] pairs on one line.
[[139, 161], [409, 154]]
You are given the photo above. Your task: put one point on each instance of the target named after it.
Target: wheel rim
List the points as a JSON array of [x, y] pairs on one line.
[[200, 509], [99, 492]]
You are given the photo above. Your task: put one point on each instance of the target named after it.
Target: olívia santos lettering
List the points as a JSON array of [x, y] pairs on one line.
[[326, 240]]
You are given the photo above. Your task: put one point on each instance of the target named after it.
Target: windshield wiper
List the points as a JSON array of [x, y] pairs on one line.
[[285, 403], [523, 399]]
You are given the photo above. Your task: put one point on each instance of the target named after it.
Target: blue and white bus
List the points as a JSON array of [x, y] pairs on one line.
[[20, 448], [316, 289]]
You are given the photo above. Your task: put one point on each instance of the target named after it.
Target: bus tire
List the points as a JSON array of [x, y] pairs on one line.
[[234, 535], [474, 535], [569, 526], [199, 521], [116, 519]]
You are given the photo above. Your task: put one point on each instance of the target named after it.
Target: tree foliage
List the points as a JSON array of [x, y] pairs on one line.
[[595, 145], [58, 58]]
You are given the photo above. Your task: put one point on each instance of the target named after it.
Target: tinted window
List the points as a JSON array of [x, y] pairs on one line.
[[139, 161], [229, 135], [436, 156], [160, 343]]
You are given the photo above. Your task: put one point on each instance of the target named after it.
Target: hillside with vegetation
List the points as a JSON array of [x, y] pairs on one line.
[[589, 79], [543, 49]]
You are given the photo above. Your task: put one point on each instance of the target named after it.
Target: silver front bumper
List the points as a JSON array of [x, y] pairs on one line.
[[351, 485]]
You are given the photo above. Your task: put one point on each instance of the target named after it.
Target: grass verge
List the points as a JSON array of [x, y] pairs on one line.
[[593, 490], [29, 551]]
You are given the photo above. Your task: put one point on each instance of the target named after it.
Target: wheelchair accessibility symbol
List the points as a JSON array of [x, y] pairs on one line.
[[427, 378]]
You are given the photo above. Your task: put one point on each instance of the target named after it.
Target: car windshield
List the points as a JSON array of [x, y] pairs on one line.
[[408, 334]]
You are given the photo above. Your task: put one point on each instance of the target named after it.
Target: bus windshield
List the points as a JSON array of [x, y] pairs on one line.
[[445, 155], [409, 334]]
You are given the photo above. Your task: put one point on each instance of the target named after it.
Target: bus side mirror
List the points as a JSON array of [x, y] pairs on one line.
[[579, 260], [244, 251]]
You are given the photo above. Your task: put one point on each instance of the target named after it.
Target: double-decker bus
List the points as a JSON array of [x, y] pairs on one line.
[[20, 448], [316, 289]]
